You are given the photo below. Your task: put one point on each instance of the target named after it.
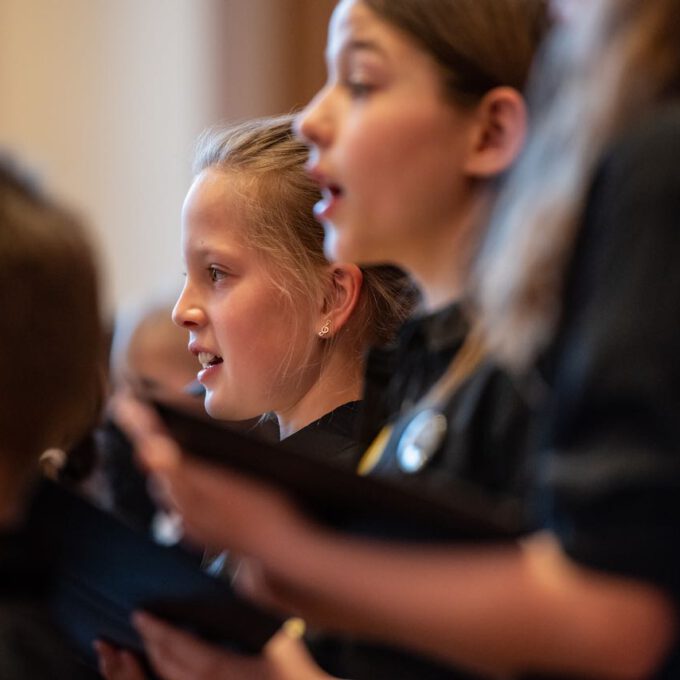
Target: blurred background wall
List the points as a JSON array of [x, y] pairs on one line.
[[103, 100]]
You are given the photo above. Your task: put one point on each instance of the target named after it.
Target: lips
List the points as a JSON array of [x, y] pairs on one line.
[[209, 362], [331, 194], [206, 359]]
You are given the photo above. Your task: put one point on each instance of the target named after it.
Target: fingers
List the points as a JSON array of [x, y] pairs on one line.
[[154, 447], [117, 664], [176, 655], [252, 581], [216, 505], [134, 415], [289, 656], [156, 452], [219, 508]]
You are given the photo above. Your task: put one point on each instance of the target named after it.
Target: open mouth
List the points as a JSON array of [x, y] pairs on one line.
[[207, 360], [331, 194]]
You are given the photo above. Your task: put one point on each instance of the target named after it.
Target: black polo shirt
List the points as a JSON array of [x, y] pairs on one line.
[[332, 437], [487, 435], [488, 420], [611, 447]]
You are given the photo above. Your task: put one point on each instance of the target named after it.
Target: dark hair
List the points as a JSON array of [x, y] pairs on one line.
[[50, 334], [478, 44]]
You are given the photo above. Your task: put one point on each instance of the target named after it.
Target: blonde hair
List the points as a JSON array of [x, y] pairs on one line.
[[51, 344], [599, 75], [280, 197]]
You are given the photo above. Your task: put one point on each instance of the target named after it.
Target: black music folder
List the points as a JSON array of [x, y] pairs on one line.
[[103, 570], [387, 508]]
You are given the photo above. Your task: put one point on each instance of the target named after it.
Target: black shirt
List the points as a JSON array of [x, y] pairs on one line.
[[30, 646], [488, 419], [485, 444], [332, 437], [612, 445]]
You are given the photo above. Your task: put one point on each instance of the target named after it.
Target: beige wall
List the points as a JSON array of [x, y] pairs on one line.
[[105, 97], [270, 55]]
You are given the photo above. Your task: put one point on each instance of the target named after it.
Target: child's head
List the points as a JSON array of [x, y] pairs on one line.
[[50, 334], [149, 356], [420, 113], [259, 292]]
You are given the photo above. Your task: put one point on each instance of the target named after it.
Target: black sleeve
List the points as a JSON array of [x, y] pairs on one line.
[[613, 442]]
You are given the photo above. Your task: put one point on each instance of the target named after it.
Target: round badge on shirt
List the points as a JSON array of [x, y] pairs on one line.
[[420, 440]]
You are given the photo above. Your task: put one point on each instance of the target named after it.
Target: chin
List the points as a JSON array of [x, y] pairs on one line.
[[330, 242], [338, 247], [223, 411], [213, 409], [352, 243]]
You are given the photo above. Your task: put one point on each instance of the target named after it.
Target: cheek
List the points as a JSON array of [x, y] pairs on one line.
[[386, 141], [382, 190], [264, 335], [423, 168]]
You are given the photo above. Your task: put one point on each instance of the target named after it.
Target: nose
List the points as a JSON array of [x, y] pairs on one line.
[[313, 124], [187, 313]]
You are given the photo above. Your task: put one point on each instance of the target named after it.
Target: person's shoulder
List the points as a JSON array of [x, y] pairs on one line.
[[638, 174], [661, 121]]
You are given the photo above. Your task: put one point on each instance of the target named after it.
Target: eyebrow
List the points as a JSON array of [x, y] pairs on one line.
[[357, 45], [210, 252]]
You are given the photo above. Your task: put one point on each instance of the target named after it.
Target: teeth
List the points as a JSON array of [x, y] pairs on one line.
[[206, 359], [331, 191]]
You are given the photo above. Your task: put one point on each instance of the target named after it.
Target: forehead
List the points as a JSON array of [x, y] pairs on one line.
[[218, 201], [219, 218], [354, 26], [215, 192]]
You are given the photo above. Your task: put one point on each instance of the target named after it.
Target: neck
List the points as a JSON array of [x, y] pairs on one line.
[[339, 381], [442, 268]]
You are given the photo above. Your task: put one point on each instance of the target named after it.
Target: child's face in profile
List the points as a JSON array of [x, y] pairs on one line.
[[386, 147], [248, 338]]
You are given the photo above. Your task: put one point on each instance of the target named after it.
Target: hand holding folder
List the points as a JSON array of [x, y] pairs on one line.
[[370, 505], [104, 570]]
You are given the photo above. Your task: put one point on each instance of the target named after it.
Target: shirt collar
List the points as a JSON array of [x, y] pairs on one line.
[[437, 330]]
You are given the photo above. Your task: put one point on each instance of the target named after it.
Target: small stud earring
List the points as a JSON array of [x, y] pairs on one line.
[[325, 329]]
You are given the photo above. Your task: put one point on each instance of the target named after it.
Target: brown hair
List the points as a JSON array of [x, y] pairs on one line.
[[478, 44], [617, 59], [50, 335], [281, 223]]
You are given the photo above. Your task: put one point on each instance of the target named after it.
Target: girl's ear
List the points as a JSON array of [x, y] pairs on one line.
[[498, 133], [341, 298]]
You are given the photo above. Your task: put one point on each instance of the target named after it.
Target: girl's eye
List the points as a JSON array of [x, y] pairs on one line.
[[216, 274], [359, 89]]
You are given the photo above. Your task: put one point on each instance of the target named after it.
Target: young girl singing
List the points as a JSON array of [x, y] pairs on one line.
[[582, 271]]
